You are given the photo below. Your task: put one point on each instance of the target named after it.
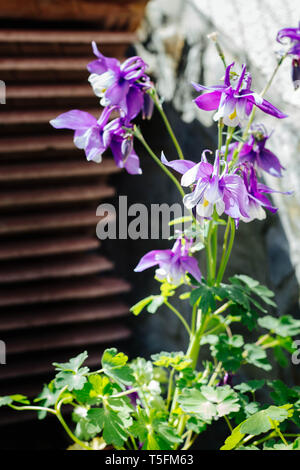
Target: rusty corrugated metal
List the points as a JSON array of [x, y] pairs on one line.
[[58, 293]]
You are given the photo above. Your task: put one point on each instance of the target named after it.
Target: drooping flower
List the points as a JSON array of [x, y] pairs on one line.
[[257, 200], [233, 105], [123, 85], [293, 36], [226, 192], [254, 151], [173, 264], [96, 136]]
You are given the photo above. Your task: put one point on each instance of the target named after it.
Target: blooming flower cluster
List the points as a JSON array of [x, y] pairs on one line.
[[229, 185], [293, 36], [123, 90]]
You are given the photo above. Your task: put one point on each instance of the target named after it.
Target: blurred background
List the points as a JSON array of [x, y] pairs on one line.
[[61, 290]]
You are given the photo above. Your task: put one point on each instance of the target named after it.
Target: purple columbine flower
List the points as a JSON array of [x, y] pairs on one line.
[[233, 105], [293, 36], [254, 151], [226, 192], [96, 136], [123, 85], [173, 264], [256, 196]]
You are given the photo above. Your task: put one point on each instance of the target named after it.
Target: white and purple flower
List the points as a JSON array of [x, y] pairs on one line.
[[226, 192], [173, 264], [96, 136], [233, 105], [123, 85], [254, 152]]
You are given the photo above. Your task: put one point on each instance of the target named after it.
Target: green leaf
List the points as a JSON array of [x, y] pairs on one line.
[[115, 366], [176, 360], [196, 425], [73, 365], [258, 423], [209, 402], [250, 386], [262, 421], [193, 402], [47, 398], [284, 326], [229, 351], [234, 439], [282, 393], [71, 373], [114, 431], [100, 386], [85, 429], [167, 433], [71, 380], [257, 356], [206, 297], [7, 400]]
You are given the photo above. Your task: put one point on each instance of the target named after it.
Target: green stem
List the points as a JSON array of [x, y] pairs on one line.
[[209, 254], [167, 124], [178, 314], [220, 135], [215, 374], [228, 140], [137, 133], [170, 388], [66, 427], [126, 392], [223, 308], [32, 408], [228, 423], [69, 432], [226, 250]]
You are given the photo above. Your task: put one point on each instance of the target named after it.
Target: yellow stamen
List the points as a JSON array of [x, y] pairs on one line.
[[232, 115], [205, 203]]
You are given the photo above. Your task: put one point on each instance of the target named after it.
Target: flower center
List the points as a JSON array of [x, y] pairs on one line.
[[232, 115]]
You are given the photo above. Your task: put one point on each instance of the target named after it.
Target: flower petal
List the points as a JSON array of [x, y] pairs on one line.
[[209, 101], [74, 119]]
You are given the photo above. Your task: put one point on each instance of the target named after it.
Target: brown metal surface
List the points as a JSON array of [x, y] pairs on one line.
[[118, 15], [58, 293]]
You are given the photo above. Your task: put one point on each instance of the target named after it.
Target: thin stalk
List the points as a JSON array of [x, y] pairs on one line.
[[190, 443], [215, 374], [32, 408], [69, 432], [222, 308], [228, 423], [228, 140], [226, 250], [170, 388], [209, 254], [137, 133], [194, 317], [181, 318], [135, 447], [220, 134], [126, 392], [167, 124]]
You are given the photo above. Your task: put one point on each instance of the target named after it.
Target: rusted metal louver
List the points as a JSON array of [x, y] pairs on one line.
[[58, 294]]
